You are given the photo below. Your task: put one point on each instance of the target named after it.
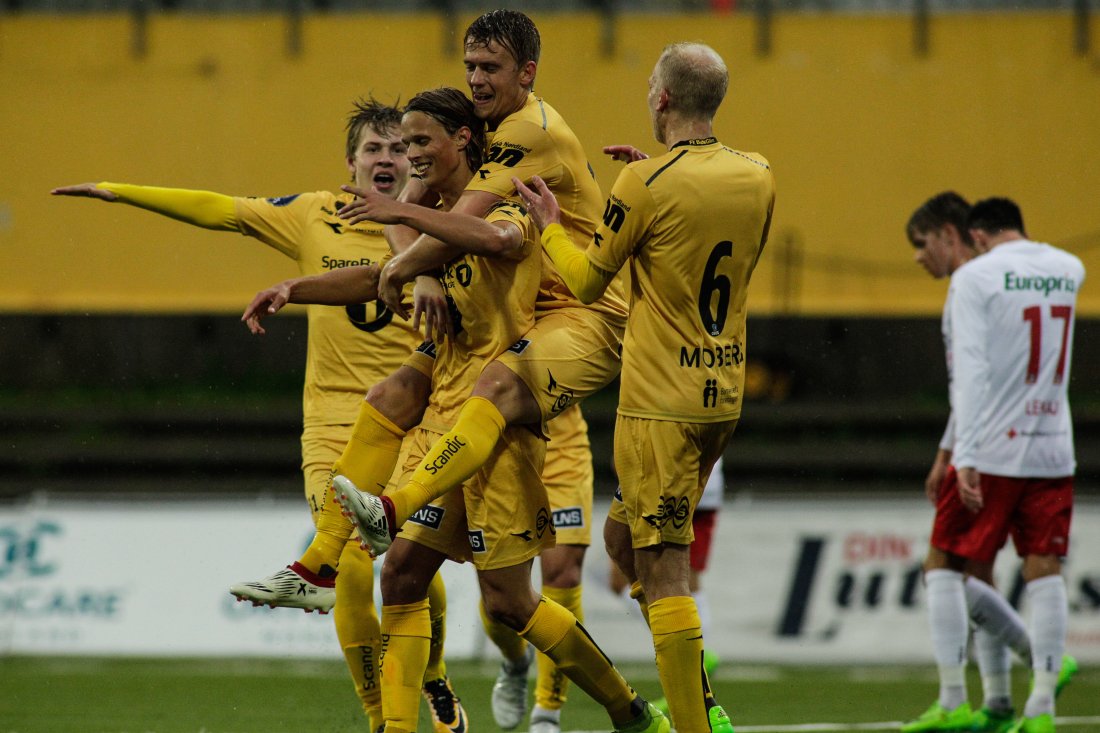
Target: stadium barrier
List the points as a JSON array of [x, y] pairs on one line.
[[790, 582]]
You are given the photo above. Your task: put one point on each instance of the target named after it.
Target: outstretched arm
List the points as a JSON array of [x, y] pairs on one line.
[[587, 281], [200, 208], [346, 286]]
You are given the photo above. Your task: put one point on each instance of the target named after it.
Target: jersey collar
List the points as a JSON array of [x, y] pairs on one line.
[[696, 142]]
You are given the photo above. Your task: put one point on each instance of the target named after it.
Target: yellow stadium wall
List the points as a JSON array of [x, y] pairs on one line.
[[858, 127]]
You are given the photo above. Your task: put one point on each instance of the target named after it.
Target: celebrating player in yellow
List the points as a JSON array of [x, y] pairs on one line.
[[692, 224], [349, 349]]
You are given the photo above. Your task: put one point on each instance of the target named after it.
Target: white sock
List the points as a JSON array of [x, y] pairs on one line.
[[1048, 612], [949, 624], [995, 664], [540, 713], [703, 609], [992, 611]]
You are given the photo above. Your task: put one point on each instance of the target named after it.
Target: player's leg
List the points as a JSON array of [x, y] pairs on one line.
[[296, 586], [659, 462], [407, 629], [561, 583], [357, 628], [1041, 534], [554, 631], [446, 709], [995, 623]]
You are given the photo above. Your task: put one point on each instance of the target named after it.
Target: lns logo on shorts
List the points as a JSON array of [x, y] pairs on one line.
[[569, 517], [430, 516]]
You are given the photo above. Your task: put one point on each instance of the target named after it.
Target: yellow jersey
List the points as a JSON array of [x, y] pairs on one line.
[[349, 348], [492, 304], [691, 223], [536, 141]]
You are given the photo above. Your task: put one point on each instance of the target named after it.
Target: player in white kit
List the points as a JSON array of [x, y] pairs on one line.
[[1009, 330]]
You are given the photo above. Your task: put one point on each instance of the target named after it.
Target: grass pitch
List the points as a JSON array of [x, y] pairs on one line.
[[91, 695]]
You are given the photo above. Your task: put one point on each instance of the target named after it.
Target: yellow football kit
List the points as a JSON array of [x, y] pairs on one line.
[[691, 225], [561, 360], [492, 303]]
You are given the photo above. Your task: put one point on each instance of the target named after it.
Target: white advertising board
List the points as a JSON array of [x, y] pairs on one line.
[[794, 581]]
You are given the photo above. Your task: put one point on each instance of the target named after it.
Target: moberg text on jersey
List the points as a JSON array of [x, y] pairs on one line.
[[726, 355], [1044, 285]]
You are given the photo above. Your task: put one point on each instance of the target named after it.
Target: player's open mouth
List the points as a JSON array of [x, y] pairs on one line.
[[482, 98], [383, 181], [420, 169]]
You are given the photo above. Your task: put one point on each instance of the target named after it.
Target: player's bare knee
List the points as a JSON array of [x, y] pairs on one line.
[[1041, 566], [401, 397]]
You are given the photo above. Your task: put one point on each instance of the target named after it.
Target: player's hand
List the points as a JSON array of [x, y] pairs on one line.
[[430, 302], [625, 153], [369, 205], [934, 480], [87, 190], [541, 204], [266, 303], [391, 281], [970, 488]]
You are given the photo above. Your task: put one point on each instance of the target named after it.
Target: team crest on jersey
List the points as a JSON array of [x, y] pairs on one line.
[[427, 348], [570, 517], [282, 200], [477, 540], [429, 516], [520, 346]]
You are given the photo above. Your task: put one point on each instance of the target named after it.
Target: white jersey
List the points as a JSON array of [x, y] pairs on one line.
[[1009, 326], [716, 485]]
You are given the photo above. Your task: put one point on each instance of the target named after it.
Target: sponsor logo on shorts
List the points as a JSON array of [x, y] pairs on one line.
[[520, 346], [525, 535], [429, 516], [563, 400], [477, 540], [428, 348], [671, 510], [544, 522], [568, 517], [618, 494]]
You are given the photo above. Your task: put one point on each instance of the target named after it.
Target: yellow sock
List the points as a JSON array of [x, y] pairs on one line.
[[557, 633], [437, 612], [678, 641], [551, 684], [357, 628], [368, 460], [638, 595], [406, 638], [455, 457], [512, 646]]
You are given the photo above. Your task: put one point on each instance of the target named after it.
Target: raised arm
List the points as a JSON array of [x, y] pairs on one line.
[[587, 281], [201, 208]]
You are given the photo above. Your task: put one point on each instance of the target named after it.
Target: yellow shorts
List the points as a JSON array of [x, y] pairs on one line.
[[567, 355], [568, 477], [663, 467], [500, 517], [321, 446]]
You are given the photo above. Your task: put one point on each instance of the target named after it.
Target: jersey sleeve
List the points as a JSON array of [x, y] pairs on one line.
[[514, 212], [521, 149], [970, 365], [628, 219], [277, 222]]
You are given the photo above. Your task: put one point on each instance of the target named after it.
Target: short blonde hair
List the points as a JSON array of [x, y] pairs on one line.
[[695, 77]]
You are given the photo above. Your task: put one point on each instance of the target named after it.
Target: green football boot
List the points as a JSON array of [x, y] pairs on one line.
[[1036, 724], [992, 721], [936, 718]]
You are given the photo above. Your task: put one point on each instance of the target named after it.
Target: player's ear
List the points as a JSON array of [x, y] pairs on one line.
[[527, 74], [351, 167], [462, 137]]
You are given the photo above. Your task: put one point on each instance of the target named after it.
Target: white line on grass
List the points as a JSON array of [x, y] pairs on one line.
[[885, 725]]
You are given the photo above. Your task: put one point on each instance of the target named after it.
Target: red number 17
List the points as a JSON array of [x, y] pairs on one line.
[[1034, 316]]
